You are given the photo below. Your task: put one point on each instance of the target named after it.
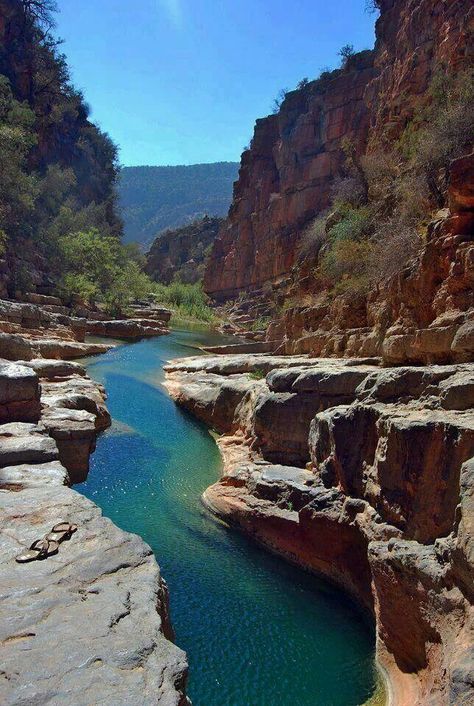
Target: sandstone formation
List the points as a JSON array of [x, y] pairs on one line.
[[362, 474], [285, 180], [423, 315], [91, 624], [127, 328], [182, 252], [144, 321], [30, 331]]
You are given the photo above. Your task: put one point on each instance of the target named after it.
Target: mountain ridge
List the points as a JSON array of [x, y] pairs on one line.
[[156, 198]]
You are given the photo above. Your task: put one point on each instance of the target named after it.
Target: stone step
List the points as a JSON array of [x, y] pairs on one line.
[[22, 443]]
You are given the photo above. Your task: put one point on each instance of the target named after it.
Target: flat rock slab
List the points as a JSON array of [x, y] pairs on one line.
[[33, 475], [17, 383], [54, 369], [234, 364], [88, 625]]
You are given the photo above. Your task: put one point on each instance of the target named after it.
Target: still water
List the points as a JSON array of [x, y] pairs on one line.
[[257, 631]]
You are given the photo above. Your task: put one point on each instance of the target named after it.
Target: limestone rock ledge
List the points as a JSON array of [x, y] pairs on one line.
[[364, 475], [91, 624]]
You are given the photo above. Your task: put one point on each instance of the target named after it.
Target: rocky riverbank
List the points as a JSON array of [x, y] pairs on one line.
[[89, 624], [362, 474], [50, 330]]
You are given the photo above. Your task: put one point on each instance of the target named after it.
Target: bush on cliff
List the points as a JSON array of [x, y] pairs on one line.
[[448, 131], [383, 201]]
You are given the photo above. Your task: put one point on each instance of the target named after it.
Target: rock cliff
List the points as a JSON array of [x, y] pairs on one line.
[[182, 252], [422, 315], [286, 177], [362, 474]]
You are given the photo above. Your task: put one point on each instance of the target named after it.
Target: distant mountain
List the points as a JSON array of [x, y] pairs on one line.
[[154, 199]]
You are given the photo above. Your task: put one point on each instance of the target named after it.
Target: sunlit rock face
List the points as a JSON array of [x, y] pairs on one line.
[[363, 474], [285, 181]]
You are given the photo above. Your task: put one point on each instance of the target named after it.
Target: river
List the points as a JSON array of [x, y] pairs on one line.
[[257, 631]]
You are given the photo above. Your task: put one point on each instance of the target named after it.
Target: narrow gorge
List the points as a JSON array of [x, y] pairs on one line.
[[262, 430]]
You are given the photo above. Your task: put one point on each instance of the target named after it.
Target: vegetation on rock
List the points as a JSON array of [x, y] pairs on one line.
[[57, 169], [383, 200], [188, 301]]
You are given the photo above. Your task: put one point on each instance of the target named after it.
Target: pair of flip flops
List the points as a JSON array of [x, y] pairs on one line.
[[49, 545]]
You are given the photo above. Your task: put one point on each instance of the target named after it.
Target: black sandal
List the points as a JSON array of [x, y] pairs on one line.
[[40, 549], [61, 532]]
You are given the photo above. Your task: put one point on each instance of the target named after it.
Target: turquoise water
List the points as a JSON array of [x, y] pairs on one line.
[[258, 632]]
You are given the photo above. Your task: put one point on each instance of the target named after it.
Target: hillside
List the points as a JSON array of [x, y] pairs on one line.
[[153, 199], [57, 169]]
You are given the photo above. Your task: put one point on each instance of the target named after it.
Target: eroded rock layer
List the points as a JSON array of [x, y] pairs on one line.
[[362, 474], [44, 328]]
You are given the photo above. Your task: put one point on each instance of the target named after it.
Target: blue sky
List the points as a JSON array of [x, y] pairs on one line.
[[183, 81]]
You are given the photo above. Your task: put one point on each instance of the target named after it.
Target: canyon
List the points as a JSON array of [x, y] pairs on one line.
[[345, 423]]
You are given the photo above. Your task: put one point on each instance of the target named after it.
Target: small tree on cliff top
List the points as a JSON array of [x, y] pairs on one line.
[[277, 102], [345, 53], [372, 6]]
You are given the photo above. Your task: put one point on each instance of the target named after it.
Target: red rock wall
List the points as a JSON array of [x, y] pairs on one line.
[[285, 177], [425, 314]]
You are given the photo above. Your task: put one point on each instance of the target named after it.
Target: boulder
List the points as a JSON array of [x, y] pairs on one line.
[[19, 393]]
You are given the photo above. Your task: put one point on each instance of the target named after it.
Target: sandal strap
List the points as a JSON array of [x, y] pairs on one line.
[[61, 527], [41, 546]]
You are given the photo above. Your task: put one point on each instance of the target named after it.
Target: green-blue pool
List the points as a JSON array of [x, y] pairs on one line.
[[257, 631]]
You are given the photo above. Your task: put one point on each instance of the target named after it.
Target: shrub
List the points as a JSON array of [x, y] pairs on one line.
[[257, 374], [73, 283], [261, 323], [348, 190], [346, 264], [354, 224], [278, 101], [346, 52], [394, 246], [313, 238], [449, 133], [3, 242], [188, 301], [302, 83]]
